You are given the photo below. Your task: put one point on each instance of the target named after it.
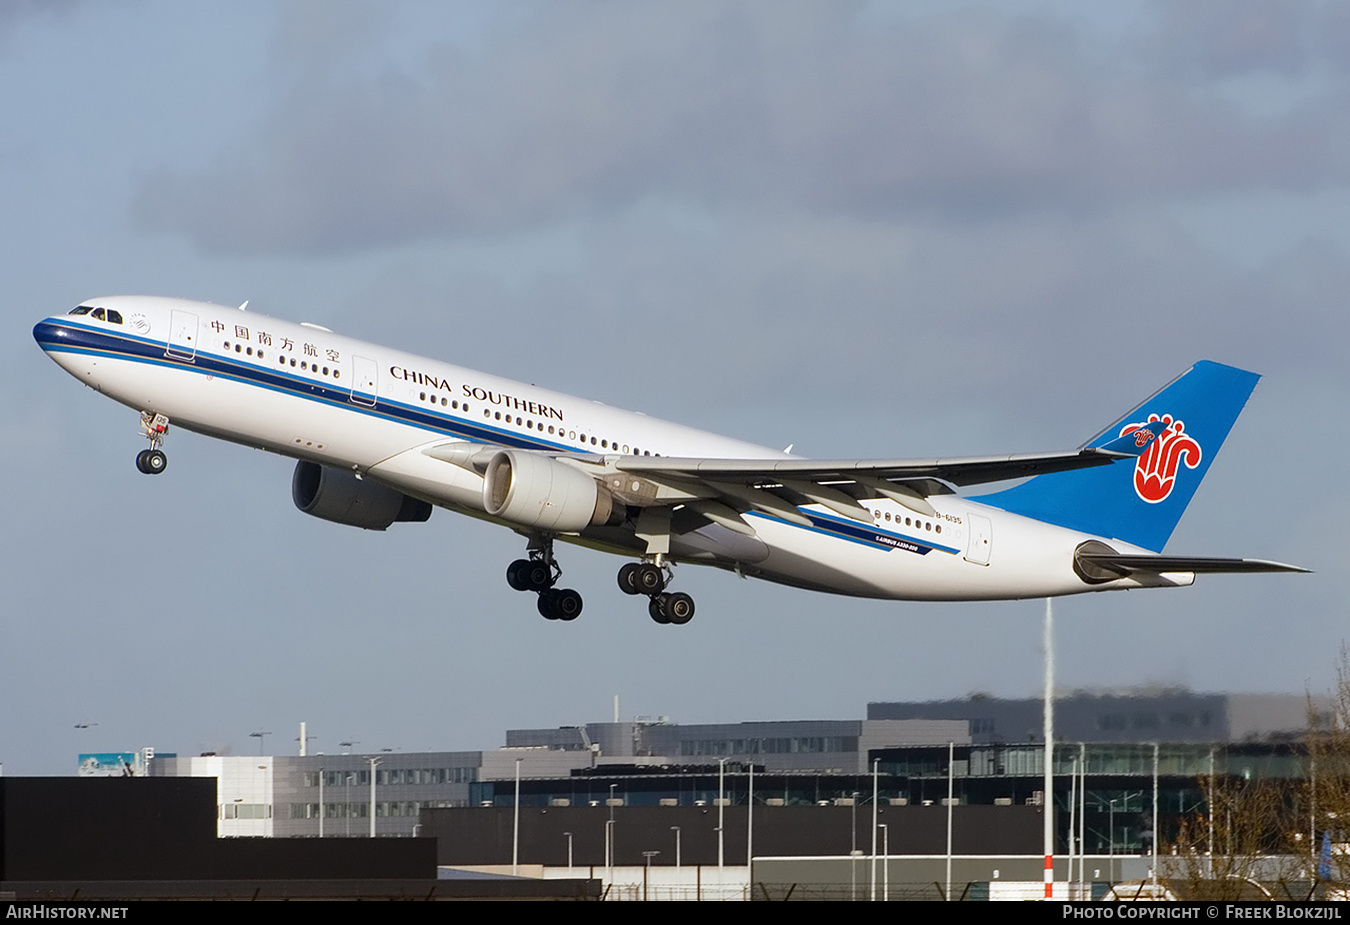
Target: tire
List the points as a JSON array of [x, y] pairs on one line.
[[155, 462], [537, 576], [547, 609], [649, 579], [140, 462], [566, 604], [515, 576], [679, 608], [628, 578], [657, 609]]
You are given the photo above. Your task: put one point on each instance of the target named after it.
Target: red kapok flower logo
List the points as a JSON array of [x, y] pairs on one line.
[[1156, 471]]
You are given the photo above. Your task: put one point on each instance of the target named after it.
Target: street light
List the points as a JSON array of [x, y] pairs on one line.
[[374, 761], [721, 805], [647, 870], [515, 824], [885, 863]]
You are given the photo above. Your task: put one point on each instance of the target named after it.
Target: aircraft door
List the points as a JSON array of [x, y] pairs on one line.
[[363, 381], [182, 343], [981, 539]]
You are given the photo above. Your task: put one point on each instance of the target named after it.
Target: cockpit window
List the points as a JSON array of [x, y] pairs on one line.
[[114, 316], [82, 309], [98, 313]]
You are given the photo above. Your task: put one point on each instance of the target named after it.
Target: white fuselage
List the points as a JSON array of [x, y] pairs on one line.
[[305, 392]]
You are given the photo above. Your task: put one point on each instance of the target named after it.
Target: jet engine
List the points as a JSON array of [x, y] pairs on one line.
[[538, 491], [339, 496]]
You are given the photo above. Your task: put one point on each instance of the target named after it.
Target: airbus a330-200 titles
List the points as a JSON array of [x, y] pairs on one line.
[[383, 436]]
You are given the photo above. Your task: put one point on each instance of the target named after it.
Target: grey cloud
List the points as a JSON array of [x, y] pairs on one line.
[[1225, 38], [589, 109]]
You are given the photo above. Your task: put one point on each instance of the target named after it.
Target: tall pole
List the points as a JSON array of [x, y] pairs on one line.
[[515, 825], [1210, 812], [951, 779], [321, 776], [374, 762], [885, 863], [721, 806], [750, 819], [875, 763], [1073, 818], [1154, 874], [1048, 734], [1082, 814]]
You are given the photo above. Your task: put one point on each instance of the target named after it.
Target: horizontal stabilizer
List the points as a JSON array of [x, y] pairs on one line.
[[1129, 565]]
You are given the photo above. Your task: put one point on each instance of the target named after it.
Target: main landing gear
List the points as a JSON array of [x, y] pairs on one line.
[[539, 573], [651, 578], [153, 460]]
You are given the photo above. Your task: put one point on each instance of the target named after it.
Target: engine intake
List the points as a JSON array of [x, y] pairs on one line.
[[538, 491], [339, 496]]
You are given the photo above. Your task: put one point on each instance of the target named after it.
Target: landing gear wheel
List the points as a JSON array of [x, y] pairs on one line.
[[537, 576], [515, 574], [560, 604], [151, 462], [679, 607], [628, 578], [657, 609], [567, 603], [649, 579], [546, 608]]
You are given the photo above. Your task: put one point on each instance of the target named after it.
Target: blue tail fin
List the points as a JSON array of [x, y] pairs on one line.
[[1142, 502]]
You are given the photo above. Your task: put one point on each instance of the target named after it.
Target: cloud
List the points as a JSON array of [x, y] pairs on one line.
[[584, 110]]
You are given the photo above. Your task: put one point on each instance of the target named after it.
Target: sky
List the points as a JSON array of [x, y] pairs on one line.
[[865, 229]]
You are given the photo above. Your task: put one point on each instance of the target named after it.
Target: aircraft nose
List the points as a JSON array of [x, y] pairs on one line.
[[49, 333]]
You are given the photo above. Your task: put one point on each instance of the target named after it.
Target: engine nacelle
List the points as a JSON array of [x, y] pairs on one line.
[[339, 496], [538, 491]]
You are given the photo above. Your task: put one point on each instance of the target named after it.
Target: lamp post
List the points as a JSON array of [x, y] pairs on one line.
[[515, 825], [886, 863], [721, 805], [374, 762], [876, 762], [647, 870]]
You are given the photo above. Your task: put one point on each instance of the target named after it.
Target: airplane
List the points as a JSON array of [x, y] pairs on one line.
[[381, 436]]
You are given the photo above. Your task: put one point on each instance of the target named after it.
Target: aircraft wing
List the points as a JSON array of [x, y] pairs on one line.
[[779, 486], [956, 471], [723, 489]]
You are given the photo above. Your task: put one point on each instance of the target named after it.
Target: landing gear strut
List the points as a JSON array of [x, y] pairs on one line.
[[651, 578], [539, 573], [153, 460]]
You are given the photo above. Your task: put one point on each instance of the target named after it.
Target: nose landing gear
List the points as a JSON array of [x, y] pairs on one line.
[[153, 461]]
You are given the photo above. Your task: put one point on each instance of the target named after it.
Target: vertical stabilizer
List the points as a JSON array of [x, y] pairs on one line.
[[1141, 503]]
